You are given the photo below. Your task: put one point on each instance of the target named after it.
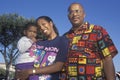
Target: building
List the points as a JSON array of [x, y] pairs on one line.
[[11, 72], [118, 75], [2, 66]]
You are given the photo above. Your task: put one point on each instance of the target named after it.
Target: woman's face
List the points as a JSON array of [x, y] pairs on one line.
[[45, 26]]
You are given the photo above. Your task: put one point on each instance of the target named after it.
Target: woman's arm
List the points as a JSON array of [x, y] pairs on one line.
[[23, 74]]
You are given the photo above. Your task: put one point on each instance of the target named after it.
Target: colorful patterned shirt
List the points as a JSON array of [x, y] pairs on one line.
[[88, 46]]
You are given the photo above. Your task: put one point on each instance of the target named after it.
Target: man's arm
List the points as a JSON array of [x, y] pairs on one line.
[[109, 68]]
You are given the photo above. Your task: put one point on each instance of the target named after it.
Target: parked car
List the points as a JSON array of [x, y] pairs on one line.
[[118, 75]]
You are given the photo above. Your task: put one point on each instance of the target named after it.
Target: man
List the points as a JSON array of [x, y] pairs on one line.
[[91, 49]]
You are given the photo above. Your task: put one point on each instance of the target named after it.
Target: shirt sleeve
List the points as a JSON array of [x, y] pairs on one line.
[[24, 44], [105, 43], [64, 44]]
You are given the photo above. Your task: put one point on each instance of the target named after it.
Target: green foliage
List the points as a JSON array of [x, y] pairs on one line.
[[2, 72], [11, 27]]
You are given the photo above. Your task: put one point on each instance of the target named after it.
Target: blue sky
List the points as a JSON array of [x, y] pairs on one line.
[[101, 12]]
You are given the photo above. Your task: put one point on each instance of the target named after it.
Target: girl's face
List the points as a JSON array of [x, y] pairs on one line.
[[45, 26], [31, 32]]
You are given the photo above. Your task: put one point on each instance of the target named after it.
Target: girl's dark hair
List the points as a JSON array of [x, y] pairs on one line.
[[48, 19], [28, 25]]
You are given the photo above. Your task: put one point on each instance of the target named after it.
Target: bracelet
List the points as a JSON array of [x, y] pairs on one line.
[[34, 71]]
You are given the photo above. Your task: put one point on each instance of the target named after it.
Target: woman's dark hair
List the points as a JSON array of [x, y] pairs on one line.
[[48, 19]]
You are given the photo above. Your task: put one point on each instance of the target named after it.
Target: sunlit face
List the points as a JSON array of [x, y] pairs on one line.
[[31, 32], [76, 14], [45, 26]]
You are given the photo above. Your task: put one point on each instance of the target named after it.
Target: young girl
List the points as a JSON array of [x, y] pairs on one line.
[[24, 59]]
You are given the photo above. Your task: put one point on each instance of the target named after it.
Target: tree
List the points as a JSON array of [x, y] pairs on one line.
[[11, 26]]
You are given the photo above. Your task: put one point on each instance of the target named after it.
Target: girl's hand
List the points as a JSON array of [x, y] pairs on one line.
[[33, 39]]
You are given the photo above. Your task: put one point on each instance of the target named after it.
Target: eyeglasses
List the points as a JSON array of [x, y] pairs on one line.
[[71, 12]]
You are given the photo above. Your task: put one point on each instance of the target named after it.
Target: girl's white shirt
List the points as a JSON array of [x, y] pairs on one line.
[[23, 45]]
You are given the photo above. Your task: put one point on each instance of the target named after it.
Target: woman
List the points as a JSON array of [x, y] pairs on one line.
[[50, 54]]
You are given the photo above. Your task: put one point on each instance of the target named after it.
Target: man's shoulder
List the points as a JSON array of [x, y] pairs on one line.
[[97, 27]]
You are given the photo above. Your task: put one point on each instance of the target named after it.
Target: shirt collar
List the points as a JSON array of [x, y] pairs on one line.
[[85, 26]]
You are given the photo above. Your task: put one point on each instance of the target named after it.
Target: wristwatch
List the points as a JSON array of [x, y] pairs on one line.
[[34, 71]]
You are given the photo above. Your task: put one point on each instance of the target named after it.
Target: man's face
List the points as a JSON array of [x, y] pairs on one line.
[[76, 14]]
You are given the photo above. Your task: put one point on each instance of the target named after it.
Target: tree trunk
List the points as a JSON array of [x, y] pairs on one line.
[[7, 72]]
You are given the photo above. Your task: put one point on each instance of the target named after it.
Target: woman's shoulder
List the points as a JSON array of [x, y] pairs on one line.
[[64, 39]]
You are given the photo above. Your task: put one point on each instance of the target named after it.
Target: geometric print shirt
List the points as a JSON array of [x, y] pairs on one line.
[[88, 46]]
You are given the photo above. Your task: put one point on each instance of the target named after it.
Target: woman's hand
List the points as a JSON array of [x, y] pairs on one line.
[[22, 74]]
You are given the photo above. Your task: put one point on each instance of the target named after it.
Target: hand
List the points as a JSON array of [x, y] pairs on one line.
[[33, 39], [22, 74]]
